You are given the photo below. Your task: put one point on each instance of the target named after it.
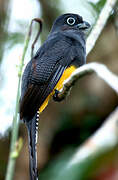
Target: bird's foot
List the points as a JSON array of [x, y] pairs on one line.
[[56, 96]]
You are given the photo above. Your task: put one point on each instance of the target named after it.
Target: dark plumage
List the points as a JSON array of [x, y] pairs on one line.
[[64, 47]]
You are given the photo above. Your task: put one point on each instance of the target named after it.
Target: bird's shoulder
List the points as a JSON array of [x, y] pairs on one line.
[[53, 44]]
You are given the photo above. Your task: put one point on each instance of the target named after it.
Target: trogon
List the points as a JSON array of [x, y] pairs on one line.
[[62, 52]]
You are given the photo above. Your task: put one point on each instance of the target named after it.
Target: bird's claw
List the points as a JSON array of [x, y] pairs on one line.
[[56, 97]]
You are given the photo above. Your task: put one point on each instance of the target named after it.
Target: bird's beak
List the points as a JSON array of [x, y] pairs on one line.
[[84, 26]]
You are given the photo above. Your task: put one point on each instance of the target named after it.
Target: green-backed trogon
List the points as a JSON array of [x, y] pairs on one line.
[[62, 52]]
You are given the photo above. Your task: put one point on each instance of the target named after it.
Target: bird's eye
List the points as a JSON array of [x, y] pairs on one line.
[[71, 21]]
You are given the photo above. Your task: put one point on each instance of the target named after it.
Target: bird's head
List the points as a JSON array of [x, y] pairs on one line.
[[70, 21]]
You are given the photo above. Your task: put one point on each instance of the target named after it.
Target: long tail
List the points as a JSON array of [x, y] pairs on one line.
[[32, 127]]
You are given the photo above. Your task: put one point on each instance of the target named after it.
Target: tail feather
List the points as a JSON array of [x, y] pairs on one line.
[[32, 138]]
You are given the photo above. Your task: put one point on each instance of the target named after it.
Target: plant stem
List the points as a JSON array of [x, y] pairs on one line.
[[15, 127], [14, 136]]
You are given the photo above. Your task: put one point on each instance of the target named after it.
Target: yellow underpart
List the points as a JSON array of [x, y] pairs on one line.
[[59, 86]]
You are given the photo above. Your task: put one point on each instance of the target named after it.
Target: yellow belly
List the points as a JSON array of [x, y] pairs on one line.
[[59, 86]]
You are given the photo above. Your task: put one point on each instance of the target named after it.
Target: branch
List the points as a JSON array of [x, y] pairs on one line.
[[96, 143], [39, 21], [15, 126], [97, 29], [100, 69], [109, 130], [103, 140]]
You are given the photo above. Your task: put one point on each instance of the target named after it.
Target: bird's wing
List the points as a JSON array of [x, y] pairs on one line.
[[36, 95]]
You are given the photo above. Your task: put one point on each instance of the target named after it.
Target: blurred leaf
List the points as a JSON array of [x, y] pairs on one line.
[[98, 6], [87, 169]]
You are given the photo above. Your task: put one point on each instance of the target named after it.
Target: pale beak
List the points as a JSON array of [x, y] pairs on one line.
[[84, 26]]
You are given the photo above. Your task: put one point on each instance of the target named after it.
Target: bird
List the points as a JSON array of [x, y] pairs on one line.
[[62, 52]]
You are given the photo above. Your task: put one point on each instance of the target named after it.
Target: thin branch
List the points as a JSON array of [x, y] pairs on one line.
[[104, 137], [39, 21], [101, 70], [97, 29], [15, 126], [109, 129]]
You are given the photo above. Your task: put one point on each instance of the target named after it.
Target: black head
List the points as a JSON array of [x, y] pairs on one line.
[[70, 21]]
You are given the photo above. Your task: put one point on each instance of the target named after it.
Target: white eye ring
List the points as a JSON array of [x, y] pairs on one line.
[[71, 21]]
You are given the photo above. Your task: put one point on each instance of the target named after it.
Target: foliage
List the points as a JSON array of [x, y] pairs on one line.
[[98, 6]]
